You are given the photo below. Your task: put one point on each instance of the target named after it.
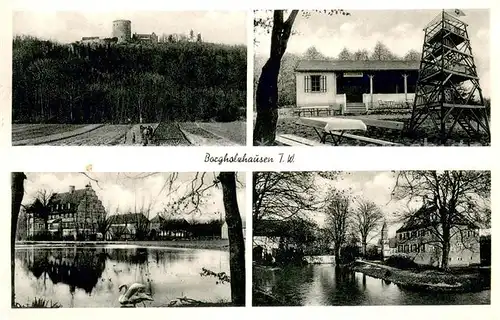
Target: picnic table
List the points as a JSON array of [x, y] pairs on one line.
[[334, 127]]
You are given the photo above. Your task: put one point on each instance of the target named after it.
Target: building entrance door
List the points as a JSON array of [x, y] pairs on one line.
[[352, 87]]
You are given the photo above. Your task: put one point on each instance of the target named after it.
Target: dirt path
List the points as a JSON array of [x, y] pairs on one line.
[[134, 137], [203, 136]]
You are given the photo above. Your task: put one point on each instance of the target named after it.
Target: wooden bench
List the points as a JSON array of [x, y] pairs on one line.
[[328, 110], [365, 139], [295, 141]]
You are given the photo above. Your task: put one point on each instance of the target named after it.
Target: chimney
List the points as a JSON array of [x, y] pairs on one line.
[[71, 189]]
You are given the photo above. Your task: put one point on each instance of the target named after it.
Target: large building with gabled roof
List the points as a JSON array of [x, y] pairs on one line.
[[419, 239], [70, 214]]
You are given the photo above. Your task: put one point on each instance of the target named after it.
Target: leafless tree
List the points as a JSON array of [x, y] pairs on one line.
[[338, 219], [366, 219], [282, 195], [40, 206], [345, 54], [279, 25], [456, 201]]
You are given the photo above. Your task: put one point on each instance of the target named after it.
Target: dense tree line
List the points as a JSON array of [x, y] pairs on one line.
[[286, 78], [83, 83]]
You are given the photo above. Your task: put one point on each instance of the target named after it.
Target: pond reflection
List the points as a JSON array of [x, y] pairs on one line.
[[89, 276], [317, 285]]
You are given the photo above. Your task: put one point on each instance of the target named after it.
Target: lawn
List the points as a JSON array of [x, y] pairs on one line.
[[288, 125], [216, 133], [234, 131], [428, 279]]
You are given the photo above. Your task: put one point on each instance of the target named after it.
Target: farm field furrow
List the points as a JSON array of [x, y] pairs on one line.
[[105, 135], [168, 133], [32, 131]]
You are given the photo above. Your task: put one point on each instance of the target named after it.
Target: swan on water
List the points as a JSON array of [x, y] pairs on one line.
[[134, 294]]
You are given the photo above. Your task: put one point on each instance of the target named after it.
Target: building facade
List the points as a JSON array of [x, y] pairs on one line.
[[355, 86], [418, 239], [70, 214], [128, 226], [146, 38]]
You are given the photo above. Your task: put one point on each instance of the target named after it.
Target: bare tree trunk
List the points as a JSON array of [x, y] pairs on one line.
[[267, 88], [17, 185], [267, 103], [446, 249], [235, 234], [337, 254]]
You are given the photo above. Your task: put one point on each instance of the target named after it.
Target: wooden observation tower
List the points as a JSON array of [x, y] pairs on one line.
[[448, 91]]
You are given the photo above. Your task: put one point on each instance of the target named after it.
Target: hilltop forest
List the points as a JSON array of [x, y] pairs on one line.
[[83, 83]]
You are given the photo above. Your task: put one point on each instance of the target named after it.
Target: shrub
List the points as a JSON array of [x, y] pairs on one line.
[[39, 303], [348, 253], [68, 238], [401, 262]]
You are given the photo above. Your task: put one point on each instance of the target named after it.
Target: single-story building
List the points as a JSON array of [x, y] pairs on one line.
[[355, 86]]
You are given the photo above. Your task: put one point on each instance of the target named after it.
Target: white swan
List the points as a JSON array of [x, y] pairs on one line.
[[134, 294]]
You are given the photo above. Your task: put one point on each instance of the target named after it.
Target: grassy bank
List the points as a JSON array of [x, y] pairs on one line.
[[192, 244], [470, 280]]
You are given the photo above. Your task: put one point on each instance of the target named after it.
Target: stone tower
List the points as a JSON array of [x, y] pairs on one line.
[[122, 29], [384, 241]]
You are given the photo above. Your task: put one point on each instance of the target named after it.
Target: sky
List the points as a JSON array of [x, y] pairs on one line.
[[400, 30], [70, 26], [125, 191], [373, 186]]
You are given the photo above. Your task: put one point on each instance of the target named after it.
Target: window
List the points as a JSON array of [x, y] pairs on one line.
[[69, 205], [422, 247], [315, 83]]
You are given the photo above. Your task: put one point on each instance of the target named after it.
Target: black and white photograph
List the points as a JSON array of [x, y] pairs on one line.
[[152, 239], [83, 78], [372, 77], [366, 238]]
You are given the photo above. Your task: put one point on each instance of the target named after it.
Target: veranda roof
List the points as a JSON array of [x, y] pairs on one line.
[[356, 65]]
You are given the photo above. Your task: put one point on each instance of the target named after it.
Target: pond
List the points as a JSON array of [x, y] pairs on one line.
[[322, 285], [90, 276]]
